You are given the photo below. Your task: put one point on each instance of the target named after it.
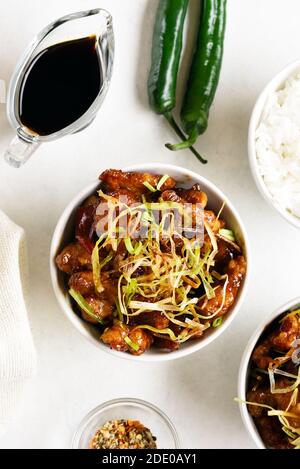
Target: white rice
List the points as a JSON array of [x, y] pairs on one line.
[[278, 145]]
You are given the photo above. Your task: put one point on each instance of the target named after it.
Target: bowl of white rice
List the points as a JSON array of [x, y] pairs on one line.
[[274, 143]]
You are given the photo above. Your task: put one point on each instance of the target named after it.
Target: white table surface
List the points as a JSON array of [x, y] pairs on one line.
[[73, 376]]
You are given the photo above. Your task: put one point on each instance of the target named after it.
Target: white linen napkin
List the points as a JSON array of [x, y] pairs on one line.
[[17, 353]]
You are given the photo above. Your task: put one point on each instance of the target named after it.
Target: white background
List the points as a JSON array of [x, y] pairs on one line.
[[73, 376]]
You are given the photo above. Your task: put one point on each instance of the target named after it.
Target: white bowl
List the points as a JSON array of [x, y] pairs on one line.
[[245, 367], [65, 229], [274, 85]]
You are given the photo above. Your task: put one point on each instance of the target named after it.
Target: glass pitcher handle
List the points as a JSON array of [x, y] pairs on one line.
[[19, 151]]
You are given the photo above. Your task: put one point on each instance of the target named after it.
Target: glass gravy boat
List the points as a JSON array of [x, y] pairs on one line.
[[96, 22]]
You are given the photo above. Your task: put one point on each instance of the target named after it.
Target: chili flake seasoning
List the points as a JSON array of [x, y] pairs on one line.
[[123, 434]]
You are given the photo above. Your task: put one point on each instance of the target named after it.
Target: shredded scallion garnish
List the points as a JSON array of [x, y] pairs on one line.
[[160, 270], [287, 389], [131, 344], [83, 304], [162, 181], [228, 234], [128, 245], [149, 186], [217, 322]]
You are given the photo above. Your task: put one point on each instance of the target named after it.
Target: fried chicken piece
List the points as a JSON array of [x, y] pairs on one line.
[[110, 286], [193, 195], [289, 332], [236, 272], [197, 209], [73, 258], [115, 335], [116, 179], [102, 308], [270, 428], [193, 212], [216, 224], [182, 196], [126, 196], [226, 252], [84, 221], [165, 344], [153, 318], [82, 282], [102, 304], [260, 396], [172, 196], [264, 396], [141, 338], [271, 433], [281, 339], [261, 355]]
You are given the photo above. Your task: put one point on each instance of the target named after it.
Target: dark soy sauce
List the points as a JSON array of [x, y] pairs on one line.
[[60, 85]]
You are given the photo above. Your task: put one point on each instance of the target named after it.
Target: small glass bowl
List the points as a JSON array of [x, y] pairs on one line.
[[134, 409]]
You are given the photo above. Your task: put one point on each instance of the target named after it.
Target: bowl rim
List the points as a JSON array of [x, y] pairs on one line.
[[243, 370], [273, 85], [158, 356], [125, 401]]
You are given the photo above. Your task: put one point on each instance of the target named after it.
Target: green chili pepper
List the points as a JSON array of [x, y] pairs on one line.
[[204, 73], [166, 54]]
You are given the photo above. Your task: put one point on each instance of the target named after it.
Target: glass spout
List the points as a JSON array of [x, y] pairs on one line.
[[19, 151]]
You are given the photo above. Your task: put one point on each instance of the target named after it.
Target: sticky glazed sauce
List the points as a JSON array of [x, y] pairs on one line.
[[60, 85]]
